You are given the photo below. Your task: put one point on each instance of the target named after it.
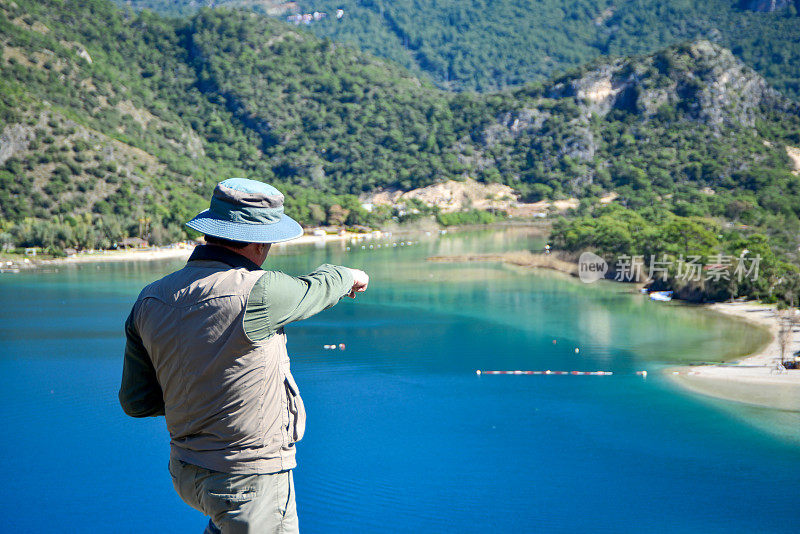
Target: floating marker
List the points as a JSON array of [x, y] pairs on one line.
[[341, 346], [577, 350], [643, 374]]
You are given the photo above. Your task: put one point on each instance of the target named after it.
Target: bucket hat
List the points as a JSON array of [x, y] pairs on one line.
[[248, 211]]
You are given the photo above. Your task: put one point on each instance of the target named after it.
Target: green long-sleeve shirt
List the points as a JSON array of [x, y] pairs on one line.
[[276, 300]]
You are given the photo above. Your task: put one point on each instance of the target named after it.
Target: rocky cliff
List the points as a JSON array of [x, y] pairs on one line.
[[705, 81], [767, 6]]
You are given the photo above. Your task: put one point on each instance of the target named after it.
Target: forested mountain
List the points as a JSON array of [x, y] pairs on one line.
[[488, 45], [112, 122]]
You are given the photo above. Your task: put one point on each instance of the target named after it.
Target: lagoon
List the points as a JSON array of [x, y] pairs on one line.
[[402, 435]]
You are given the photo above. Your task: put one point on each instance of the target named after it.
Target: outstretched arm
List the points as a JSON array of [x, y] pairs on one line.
[[279, 299]]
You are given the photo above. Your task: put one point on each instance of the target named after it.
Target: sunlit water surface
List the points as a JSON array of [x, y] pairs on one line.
[[402, 435]]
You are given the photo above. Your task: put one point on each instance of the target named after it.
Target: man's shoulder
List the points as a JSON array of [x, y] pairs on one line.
[[157, 286]]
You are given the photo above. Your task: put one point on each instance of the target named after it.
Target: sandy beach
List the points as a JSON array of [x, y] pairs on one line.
[[178, 250], [754, 379]]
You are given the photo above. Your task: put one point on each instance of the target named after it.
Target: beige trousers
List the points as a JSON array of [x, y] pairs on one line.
[[261, 503]]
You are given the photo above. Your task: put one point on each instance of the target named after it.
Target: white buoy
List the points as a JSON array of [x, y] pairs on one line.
[[577, 350], [478, 372]]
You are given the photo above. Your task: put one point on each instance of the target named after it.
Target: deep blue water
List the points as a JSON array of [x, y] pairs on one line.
[[402, 435]]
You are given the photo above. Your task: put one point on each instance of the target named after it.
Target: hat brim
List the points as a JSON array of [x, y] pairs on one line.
[[209, 223]]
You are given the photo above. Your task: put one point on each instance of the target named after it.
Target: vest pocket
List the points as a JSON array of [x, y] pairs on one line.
[[297, 412]]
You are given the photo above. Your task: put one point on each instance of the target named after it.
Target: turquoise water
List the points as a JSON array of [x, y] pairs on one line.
[[402, 435]]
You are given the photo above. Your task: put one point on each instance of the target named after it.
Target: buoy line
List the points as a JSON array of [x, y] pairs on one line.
[[643, 374], [592, 373]]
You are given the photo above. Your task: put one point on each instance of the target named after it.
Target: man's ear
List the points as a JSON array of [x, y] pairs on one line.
[[263, 249]]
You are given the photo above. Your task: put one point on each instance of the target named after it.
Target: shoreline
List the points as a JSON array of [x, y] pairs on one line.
[[181, 250], [752, 379], [522, 258]]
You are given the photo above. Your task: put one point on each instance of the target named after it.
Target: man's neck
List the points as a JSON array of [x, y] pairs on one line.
[[255, 252]]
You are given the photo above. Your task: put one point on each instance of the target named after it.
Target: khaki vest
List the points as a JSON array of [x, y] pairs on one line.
[[231, 404]]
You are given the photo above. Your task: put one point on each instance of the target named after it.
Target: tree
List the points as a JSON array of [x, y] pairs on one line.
[[337, 215]]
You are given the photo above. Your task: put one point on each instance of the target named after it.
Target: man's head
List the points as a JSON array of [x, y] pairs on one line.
[[246, 212]]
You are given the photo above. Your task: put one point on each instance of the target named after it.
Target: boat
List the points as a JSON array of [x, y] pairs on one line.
[[661, 296]]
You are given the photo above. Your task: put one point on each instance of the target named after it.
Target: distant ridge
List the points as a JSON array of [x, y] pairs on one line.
[[485, 46]]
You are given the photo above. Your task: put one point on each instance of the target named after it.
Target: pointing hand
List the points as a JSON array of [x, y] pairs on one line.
[[360, 282]]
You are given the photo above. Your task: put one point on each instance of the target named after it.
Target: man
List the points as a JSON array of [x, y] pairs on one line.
[[206, 349]]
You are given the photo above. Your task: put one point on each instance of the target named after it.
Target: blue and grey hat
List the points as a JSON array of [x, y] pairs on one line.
[[247, 211]]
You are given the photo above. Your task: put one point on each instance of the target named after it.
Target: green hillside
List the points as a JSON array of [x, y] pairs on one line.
[[348, 123], [481, 45], [116, 124], [104, 122]]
